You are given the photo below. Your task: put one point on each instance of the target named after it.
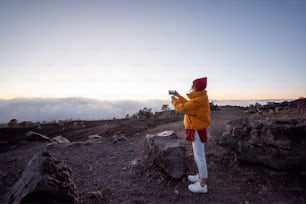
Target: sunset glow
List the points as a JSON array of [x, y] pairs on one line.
[[139, 49]]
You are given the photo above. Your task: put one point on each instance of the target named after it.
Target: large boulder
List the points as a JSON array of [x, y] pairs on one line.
[[44, 180], [279, 143], [167, 151]]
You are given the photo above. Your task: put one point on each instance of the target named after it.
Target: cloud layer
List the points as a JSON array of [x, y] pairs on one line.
[[41, 109], [71, 108]]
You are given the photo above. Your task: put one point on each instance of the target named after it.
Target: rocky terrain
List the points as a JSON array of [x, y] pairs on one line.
[[107, 161], [273, 138]]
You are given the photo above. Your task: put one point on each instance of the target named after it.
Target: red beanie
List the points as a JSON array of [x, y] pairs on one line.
[[200, 83]]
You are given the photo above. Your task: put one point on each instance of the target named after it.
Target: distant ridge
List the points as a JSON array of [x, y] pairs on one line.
[[245, 103]]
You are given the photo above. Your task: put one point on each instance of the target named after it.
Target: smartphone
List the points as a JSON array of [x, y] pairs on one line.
[[172, 92]]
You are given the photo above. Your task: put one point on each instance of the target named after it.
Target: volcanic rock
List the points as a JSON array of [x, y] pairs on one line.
[[167, 152], [44, 180], [60, 139], [34, 136], [94, 198], [94, 138], [279, 143]]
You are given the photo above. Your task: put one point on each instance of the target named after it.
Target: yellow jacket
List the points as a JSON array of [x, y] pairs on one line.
[[196, 110]]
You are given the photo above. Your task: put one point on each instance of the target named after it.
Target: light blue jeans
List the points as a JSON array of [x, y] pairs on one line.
[[199, 156]]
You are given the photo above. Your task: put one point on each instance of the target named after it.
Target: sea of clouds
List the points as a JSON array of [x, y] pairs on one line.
[[72, 108], [39, 109]]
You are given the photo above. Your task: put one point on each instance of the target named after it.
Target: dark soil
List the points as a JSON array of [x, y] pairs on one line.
[[116, 167]]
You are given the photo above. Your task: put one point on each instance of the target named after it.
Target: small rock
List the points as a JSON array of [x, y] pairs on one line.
[[94, 138], [60, 139], [119, 138], [34, 136], [123, 138], [95, 198], [135, 167]]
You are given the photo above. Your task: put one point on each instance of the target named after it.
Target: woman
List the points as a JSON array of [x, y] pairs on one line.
[[196, 112]]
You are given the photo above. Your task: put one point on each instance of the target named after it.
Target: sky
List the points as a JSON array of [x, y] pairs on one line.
[[139, 49]]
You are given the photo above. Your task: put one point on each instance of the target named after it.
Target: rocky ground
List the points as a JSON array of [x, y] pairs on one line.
[[113, 166]]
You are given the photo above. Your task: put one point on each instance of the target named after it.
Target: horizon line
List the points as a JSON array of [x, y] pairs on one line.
[[140, 99]]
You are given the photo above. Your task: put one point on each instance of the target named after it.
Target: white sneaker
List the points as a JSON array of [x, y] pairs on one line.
[[193, 178], [197, 188]]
